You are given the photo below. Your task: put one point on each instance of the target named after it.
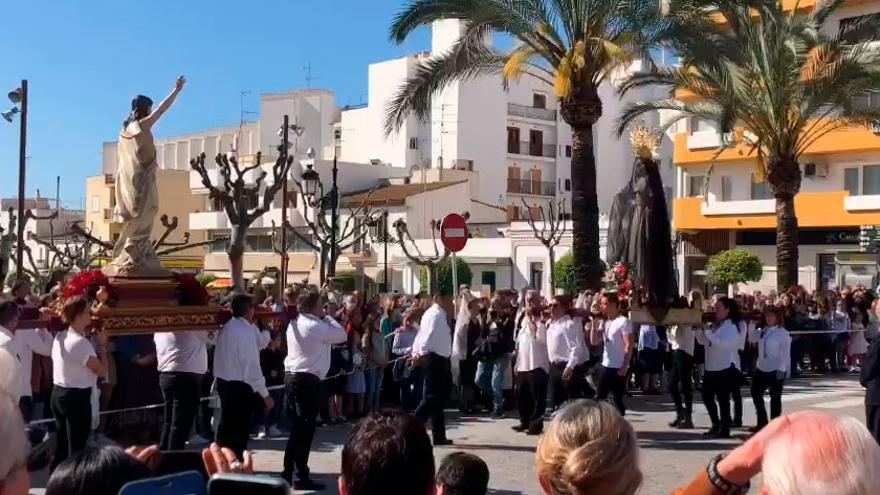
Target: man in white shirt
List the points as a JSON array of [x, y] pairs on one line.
[[238, 374], [722, 344], [22, 344], [431, 351], [8, 321], [616, 334], [532, 368], [568, 353], [309, 338], [182, 360]]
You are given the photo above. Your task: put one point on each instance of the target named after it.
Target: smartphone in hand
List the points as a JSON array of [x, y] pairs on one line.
[[186, 483], [250, 484]]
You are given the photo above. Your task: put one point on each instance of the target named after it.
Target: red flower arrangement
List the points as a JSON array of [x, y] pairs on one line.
[[617, 280], [189, 291], [86, 284]]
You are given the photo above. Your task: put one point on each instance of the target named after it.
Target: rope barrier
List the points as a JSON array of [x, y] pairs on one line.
[[209, 397]]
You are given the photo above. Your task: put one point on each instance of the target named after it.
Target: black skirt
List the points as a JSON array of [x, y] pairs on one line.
[[651, 361]]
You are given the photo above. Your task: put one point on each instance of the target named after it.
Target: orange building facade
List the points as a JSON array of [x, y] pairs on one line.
[[722, 206]]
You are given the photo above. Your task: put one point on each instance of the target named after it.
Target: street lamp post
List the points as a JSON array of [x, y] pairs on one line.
[[283, 150], [19, 96], [334, 218]]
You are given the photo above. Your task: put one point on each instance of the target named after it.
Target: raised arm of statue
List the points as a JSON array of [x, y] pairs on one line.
[[151, 119]]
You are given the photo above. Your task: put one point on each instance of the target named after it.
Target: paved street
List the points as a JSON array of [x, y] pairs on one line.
[[669, 457]]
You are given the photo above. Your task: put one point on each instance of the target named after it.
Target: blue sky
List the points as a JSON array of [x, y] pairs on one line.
[[84, 60]]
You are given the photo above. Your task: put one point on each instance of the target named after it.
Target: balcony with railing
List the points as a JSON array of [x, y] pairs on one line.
[[533, 187], [532, 149], [531, 112]]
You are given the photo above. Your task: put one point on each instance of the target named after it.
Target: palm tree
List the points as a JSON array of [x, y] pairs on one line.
[[775, 80], [571, 45]]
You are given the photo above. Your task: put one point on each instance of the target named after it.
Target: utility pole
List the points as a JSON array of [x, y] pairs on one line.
[[22, 159], [284, 251], [334, 218], [385, 248]]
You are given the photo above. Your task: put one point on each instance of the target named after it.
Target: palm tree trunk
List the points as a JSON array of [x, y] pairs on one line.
[[786, 243], [784, 176], [584, 210]]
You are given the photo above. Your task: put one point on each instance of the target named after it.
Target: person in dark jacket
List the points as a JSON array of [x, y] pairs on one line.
[[494, 351], [870, 379]]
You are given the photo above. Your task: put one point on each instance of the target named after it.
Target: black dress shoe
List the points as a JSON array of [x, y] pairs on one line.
[[519, 428], [308, 485], [440, 443], [722, 434], [535, 430], [686, 424], [675, 423], [712, 432]]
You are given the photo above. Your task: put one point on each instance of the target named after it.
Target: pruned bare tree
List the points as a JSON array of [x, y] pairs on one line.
[[234, 194], [430, 261], [550, 231], [7, 241], [352, 231]]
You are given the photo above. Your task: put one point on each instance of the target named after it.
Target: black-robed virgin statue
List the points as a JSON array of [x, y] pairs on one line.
[[639, 232]]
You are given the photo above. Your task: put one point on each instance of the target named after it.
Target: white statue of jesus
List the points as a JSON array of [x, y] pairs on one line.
[[137, 196]]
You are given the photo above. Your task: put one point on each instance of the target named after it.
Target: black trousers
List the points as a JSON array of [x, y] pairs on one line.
[[435, 387], [26, 407], [576, 388], [180, 391], [681, 381], [761, 381], [717, 386], [736, 396], [872, 420], [72, 408], [531, 397], [236, 413], [610, 381], [303, 393]]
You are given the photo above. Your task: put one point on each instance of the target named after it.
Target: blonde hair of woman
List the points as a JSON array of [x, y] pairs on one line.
[[589, 449]]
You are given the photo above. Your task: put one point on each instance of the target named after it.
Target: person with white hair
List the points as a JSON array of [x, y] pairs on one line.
[[805, 453]]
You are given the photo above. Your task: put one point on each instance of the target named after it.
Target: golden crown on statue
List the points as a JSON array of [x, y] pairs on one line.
[[645, 141]]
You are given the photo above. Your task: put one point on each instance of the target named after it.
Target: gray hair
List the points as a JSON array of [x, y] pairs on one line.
[[822, 455]]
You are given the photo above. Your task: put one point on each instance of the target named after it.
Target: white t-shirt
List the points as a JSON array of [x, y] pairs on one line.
[[182, 352], [70, 353], [614, 353], [681, 338]]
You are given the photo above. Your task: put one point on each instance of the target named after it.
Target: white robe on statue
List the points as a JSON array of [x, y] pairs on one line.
[[137, 202]]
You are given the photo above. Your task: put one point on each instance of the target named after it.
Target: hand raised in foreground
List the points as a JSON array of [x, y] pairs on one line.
[[223, 460], [744, 462], [178, 85]]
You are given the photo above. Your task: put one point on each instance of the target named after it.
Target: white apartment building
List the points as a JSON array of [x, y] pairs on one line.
[[56, 229], [479, 126]]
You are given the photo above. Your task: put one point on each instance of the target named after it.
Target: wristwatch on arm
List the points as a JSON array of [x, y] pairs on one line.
[[720, 483]]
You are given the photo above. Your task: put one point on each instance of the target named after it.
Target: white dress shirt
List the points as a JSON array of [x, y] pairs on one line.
[[532, 349], [722, 345], [434, 334], [565, 342], [237, 355], [308, 344], [681, 338], [774, 350], [614, 354], [29, 341], [22, 345], [185, 352], [70, 353], [11, 382]]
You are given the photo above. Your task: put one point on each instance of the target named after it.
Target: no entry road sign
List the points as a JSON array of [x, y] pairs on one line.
[[454, 232]]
